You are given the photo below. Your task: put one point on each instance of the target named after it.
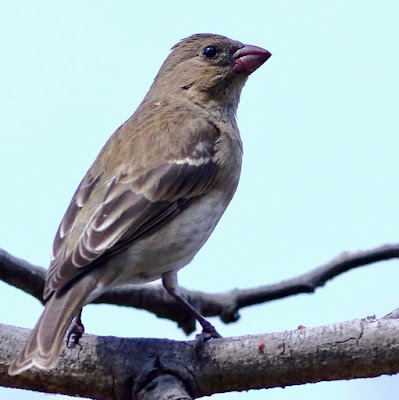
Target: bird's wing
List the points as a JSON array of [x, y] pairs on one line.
[[128, 208]]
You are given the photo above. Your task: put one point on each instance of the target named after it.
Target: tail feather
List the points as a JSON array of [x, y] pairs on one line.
[[44, 344]]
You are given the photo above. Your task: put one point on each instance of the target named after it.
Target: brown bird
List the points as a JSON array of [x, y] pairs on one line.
[[155, 192]]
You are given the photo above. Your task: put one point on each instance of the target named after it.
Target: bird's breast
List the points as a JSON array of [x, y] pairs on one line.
[[172, 246]]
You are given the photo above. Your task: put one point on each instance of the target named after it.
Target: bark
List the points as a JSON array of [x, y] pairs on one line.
[[118, 368]]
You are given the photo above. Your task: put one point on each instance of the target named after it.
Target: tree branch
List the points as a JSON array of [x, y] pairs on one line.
[[30, 278], [116, 368], [318, 277]]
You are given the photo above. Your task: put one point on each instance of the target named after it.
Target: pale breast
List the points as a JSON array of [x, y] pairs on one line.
[[170, 248]]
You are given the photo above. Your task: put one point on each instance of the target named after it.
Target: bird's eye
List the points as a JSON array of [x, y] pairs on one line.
[[210, 52]]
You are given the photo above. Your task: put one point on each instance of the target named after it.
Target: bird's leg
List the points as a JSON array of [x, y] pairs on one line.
[[76, 331], [169, 281]]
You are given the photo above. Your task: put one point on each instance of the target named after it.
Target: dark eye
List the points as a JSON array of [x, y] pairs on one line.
[[210, 52]]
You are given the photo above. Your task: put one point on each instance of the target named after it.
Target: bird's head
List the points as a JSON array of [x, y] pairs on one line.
[[208, 68]]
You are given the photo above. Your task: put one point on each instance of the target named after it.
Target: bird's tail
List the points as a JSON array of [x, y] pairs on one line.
[[44, 343]]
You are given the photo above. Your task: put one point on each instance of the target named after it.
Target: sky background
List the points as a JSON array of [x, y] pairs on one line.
[[319, 122]]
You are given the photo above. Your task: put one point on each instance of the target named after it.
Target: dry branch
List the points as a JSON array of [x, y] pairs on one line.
[[30, 278], [117, 368]]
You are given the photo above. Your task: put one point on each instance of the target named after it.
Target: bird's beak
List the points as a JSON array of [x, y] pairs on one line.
[[250, 58]]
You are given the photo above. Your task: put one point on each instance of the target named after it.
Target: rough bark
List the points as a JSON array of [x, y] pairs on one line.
[[119, 368]]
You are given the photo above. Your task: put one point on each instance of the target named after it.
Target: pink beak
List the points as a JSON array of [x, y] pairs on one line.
[[250, 58]]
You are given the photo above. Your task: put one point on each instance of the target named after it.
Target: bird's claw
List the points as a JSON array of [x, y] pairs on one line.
[[75, 333]]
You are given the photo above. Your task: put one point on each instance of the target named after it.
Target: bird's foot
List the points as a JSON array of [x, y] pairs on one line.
[[209, 331], [75, 333]]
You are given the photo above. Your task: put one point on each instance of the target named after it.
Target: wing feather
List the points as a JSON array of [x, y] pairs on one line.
[[130, 208]]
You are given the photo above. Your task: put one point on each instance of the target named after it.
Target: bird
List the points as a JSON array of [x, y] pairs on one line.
[[155, 192]]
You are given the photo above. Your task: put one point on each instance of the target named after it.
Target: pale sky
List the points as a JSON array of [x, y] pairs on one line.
[[319, 122]]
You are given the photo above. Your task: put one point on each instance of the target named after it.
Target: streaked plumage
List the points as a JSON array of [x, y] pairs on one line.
[[155, 192]]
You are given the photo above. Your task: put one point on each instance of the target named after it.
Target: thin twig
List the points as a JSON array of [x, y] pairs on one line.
[[226, 305]]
